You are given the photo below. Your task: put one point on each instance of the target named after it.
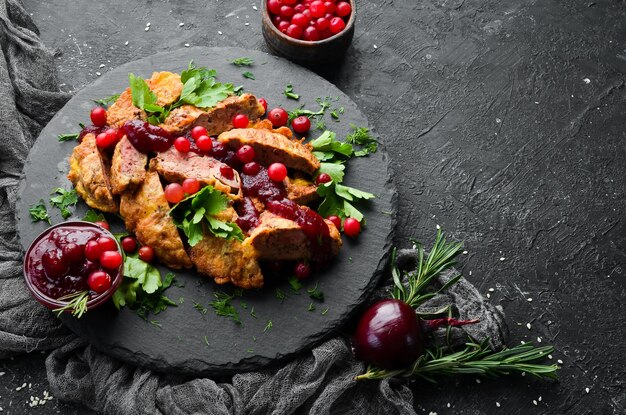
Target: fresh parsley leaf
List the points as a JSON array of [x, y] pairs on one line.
[[141, 93], [289, 92], [329, 148], [148, 276], [63, 199], [317, 115], [223, 306], [244, 61], [199, 72], [334, 170], [39, 212], [93, 216], [107, 101], [295, 283], [197, 213], [361, 136], [68, 137], [316, 294], [248, 75], [238, 90]]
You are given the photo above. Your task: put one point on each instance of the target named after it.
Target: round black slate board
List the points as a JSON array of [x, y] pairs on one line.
[[182, 339]]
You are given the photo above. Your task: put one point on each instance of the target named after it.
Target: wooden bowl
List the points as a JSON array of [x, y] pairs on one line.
[[306, 52]]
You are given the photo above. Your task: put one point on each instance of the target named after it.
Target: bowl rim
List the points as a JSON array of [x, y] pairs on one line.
[[309, 43], [54, 303]]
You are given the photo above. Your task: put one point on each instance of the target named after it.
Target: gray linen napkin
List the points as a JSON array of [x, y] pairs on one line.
[[320, 382]]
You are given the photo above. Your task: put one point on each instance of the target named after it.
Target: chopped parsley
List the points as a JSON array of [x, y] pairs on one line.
[[206, 341], [325, 311], [289, 92], [248, 75], [335, 113], [201, 309], [268, 326], [93, 216], [280, 295], [311, 307], [316, 294], [198, 212], [238, 90], [39, 212], [252, 313], [295, 283], [243, 61], [68, 137], [361, 136], [63, 199], [105, 102], [223, 306], [317, 116]]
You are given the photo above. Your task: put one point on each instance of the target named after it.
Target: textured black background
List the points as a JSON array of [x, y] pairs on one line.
[[506, 123]]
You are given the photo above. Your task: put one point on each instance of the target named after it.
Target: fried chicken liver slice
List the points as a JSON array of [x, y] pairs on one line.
[[89, 175], [128, 167], [277, 238], [227, 260], [146, 212], [271, 147], [216, 119], [175, 166], [301, 190]]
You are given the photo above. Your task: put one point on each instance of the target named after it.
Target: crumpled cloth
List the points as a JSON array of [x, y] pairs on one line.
[[320, 382]]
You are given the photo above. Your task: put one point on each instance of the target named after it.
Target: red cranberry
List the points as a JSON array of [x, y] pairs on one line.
[[301, 124], [107, 244], [300, 20], [322, 24], [351, 227], [53, 264], [182, 144], [99, 281], [322, 178], [274, 6], [246, 153], [311, 34], [73, 252], [252, 168], [330, 7], [277, 172], [98, 116], [191, 186], [302, 270], [299, 8], [286, 12], [93, 250], [198, 131], [103, 224], [343, 9], [336, 220], [204, 143], [146, 253], [317, 8], [336, 25], [240, 121], [174, 193], [283, 26], [129, 244], [263, 102], [218, 149], [294, 31], [278, 117], [111, 259], [227, 172]]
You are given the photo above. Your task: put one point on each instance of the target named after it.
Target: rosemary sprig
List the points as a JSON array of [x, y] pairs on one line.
[[77, 304], [475, 359], [441, 257]]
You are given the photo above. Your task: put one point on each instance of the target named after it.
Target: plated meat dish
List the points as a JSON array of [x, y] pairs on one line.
[[253, 192]]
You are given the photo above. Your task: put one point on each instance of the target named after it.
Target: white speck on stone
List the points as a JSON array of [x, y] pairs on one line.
[[438, 227], [102, 65], [498, 120], [464, 252], [186, 45], [502, 258], [470, 273], [491, 290], [147, 28], [537, 102], [24, 385], [530, 300], [148, 24], [587, 390], [254, 7], [559, 361], [432, 413], [488, 295], [30, 385], [246, 24], [538, 339], [219, 32], [181, 24], [477, 380], [448, 405], [528, 326], [2, 373], [534, 402], [98, 73], [126, 43], [522, 342], [539, 399], [524, 374], [550, 356], [498, 404], [375, 47], [587, 81]]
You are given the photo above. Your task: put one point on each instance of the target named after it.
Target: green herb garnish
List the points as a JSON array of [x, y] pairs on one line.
[[289, 92], [325, 311], [252, 313], [316, 294], [105, 102], [280, 295], [93, 216], [77, 304], [197, 213], [201, 309], [244, 61], [295, 283], [361, 136], [68, 137], [63, 199], [223, 306], [268, 326], [311, 307], [248, 75], [39, 212]]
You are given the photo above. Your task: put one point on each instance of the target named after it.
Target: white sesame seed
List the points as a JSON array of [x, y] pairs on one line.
[[491, 290], [126, 43], [523, 373], [438, 227], [522, 341], [502, 258], [530, 300], [538, 339], [18, 389], [528, 326], [559, 361], [147, 28], [464, 252], [181, 24], [186, 45], [488, 295], [148, 24], [587, 390], [448, 405], [247, 24], [219, 32], [102, 65], [550, 356], [98, 73], [254, 8], [534, 402], [30, 385], [375, 47], [498, 404], [24, 385], [587, 81], [470, 273], [539, 399], [477, 380]]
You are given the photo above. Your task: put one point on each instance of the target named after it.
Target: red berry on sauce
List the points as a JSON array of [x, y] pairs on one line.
[[322, 178], [343, 9], [311, 34], [106, 244], [191, 186], [99, 281], [53, 263], [219, 150], [182, 144], [336, 25], [301, 124], [274, 6], [174, 193], [286, 11], [98, 116], [227, 172], [278, 117], [93, 250], [204, 143], [294, 31], [351, 227], [277, 172], [245, 154], [240, 121], [300, 20], [302, 270], [103, 224], [129, 244], [317, 8], [146, 253], [336, 220], [73, 252], [198, 131], [263, 102], [322, 24], [330, 7], [110, 259], [252, 168]]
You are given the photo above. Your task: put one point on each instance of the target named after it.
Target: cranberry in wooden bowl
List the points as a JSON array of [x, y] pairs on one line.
[[309, 32], [71, 261]]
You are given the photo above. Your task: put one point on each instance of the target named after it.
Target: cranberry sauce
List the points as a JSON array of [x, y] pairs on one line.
[[146, 137], [248, 215], [274, 196], [90, 129], [56, 264]]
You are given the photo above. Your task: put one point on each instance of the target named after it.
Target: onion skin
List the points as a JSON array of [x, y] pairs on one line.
[[388, 335]]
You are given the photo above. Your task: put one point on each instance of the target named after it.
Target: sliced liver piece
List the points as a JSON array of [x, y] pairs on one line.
[[128, 166], [301, 190]]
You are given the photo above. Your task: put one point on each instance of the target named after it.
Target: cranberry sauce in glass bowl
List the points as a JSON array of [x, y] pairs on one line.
[[56, 264]]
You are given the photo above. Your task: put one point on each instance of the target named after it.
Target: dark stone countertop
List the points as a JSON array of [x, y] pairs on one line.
[[505, 121]]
